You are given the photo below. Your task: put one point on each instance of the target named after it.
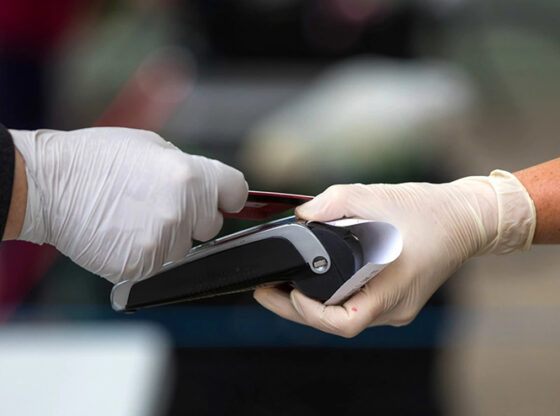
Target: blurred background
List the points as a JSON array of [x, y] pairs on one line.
[[298, 94]]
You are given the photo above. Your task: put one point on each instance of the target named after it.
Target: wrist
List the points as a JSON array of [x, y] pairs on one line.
[[16, 214], [504, 211], [541, 182], [32, 203], [476, 219], [517, 216]]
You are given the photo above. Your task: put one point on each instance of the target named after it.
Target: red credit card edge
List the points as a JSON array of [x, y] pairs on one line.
[[273, 203], [277, 197], [280, 195]]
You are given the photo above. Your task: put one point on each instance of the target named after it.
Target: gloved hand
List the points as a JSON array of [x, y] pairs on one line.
[[122, 202], [442, 226]]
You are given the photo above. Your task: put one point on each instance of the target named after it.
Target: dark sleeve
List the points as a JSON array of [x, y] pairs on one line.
[[7, 162]]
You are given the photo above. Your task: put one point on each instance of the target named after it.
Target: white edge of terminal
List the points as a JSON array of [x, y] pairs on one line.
[[119, 295]]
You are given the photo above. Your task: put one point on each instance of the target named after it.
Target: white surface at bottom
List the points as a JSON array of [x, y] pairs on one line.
[[95, 369]]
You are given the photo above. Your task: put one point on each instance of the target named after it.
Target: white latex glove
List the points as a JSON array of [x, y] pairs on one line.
[[442, 226], [122, 202]]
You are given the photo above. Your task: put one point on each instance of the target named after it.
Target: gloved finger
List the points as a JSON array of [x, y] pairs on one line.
[[387, 296], [347, 320], [175, 225], [208, 224], [279, 302], [332, 204], [232, 188]]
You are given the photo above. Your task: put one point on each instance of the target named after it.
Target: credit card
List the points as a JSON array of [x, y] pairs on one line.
[[262, 205]]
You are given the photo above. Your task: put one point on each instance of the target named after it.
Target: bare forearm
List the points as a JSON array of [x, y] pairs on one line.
[[18, 202], [543, 184]]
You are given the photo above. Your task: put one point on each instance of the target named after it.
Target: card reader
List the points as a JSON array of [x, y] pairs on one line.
[[326, 261]]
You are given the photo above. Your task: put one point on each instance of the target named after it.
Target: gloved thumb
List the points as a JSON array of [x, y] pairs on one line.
[[327, 206]]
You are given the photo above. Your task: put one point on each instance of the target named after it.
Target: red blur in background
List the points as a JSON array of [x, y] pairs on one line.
[[31, 27]]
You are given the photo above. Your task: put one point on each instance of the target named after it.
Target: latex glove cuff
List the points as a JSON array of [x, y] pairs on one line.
[[34, 226], [517, 217]]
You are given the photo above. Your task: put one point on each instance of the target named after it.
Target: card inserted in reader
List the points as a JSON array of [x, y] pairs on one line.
[[326, 261]]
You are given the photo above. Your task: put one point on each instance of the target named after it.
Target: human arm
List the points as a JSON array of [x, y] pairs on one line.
[[16, 213], [119, 202], [443, 225], [543, 184]]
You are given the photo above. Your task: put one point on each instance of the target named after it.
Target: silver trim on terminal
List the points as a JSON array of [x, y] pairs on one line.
[[119, 295], [291, 229]]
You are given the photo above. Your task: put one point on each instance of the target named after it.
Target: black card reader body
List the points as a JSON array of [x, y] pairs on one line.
[[315, 257]]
